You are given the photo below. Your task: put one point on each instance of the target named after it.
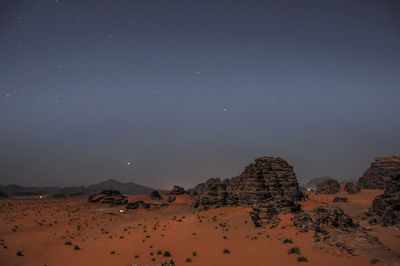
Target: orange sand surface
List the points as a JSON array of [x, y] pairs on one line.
[[105, 236]]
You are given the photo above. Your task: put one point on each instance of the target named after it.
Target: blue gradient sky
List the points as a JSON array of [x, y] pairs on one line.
[[186, 91]]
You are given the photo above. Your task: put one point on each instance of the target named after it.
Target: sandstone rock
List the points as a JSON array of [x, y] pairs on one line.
[[177, 190], [155, 195], [197, 190], [351, 188], [385, 209], [334, 230], [268, 179], [328, 187], [382, 170], [214, 195], [269, 185], [113, 197]]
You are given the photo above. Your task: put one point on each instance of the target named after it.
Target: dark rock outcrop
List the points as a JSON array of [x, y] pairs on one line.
[[137, 204], [155, 195], [3, 195], [177, 190], [113, 197], [385, 208], [328, 187], [351, 188], [269, 185], [382, 170], [334, 230], [197, 190], [214, 195], [171, 198]]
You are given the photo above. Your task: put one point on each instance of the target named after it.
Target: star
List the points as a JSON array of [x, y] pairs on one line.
[[129, 163], [225, 109]]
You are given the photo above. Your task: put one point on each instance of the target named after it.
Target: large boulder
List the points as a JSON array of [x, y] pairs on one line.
[[328, 187], [200, 188], [155, 195], [177, 190], [112, 197], [351, 188], [381, 171]]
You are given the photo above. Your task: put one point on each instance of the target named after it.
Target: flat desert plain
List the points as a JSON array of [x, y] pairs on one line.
[[43, 231]]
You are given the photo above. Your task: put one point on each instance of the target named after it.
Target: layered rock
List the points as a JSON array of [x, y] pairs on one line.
[[113, 197], [177, 190], [215, 195], [334, 230], [269, 185], [351, 188], [385, 208], [200, 188], [382, 170], [328, 187]]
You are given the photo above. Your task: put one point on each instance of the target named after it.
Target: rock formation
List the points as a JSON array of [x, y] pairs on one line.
[[171, 198], [351, 188], [328, 187], [213, 195], [197, 190], [269, 185], [113, 197], [177, 190], [3, 195], [385, 208], [383, 169], [155, 195], [137, 204], [334, 230]]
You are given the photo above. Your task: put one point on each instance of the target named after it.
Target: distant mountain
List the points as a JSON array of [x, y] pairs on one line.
[[313, 183], [125, 188]]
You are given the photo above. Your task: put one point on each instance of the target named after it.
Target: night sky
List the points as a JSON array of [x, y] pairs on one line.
[[176, 92]]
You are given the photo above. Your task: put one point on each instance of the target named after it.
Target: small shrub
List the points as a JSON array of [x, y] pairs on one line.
[[188, 260], [68, 243], [77, 248], [287, 240], [294, 250], [167, 254], [301, 259], [19, 253], [226, 251]]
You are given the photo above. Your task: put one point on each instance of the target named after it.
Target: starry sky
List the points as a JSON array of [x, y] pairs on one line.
[[176, 92]]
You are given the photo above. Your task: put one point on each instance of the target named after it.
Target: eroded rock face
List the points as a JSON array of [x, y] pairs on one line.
[[214, 195], [113, 197], [382, 170], [177, 190], [200, 188], [334, 230], [328, 187], [268, 184], [268, 179], [385, 208], [351, 188]]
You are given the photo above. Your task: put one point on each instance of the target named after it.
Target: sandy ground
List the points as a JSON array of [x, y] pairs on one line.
[[40, 229]]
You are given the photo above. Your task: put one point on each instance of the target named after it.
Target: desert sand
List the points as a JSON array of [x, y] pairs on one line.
[[75, 232]]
